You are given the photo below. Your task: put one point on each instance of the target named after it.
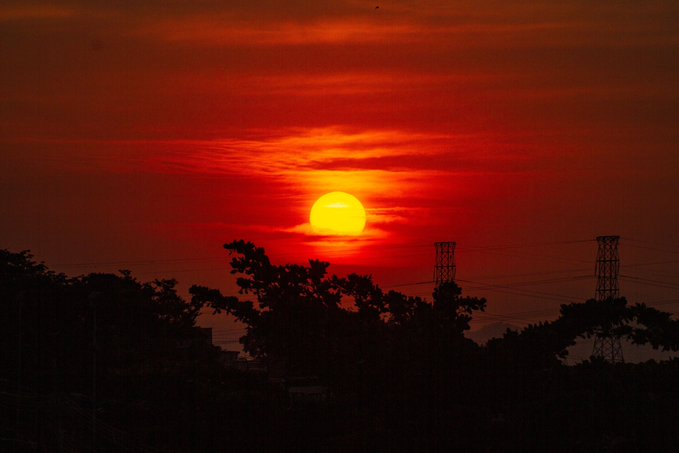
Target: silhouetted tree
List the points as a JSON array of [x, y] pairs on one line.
[[294, 320], [404, 375], [545, 344]]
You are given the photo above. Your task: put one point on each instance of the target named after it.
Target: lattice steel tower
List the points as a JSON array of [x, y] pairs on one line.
[[444, 271], [607, 271]]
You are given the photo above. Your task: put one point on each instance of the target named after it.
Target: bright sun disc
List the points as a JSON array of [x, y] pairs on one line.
[[337, 214]]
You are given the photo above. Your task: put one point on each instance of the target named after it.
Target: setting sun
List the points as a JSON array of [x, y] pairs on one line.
[[337, 214]]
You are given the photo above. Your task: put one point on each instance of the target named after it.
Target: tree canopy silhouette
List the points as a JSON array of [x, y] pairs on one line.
[[399, 368], [311, 322], [50, 320]]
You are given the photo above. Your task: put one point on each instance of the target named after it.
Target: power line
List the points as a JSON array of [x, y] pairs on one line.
[[535, 244], [524, 283], [535, 255], [529, 274], [508, 288], [666, 248], [648, 281], [655, 263], [425, 282], [549, 281]]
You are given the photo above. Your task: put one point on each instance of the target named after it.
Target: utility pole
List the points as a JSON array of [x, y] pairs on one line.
[[607, 288], [444, 270]]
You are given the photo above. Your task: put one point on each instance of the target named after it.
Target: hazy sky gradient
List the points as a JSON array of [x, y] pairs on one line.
[[134, 133]]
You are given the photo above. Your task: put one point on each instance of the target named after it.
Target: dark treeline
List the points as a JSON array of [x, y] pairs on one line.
[[105, 362]]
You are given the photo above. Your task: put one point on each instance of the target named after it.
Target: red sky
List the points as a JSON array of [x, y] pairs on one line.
[[145, 137]]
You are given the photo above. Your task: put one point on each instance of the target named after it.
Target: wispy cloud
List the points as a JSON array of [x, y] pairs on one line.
[[302, 150], [378, 166], [293, 152], [227, 30]]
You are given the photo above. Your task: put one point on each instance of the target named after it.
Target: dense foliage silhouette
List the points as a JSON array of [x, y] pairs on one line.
[[105, 362]]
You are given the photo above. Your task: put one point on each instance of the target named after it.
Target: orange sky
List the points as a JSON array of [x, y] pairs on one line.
[[146, 136]]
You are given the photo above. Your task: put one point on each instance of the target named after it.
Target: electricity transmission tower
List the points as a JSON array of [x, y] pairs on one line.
[[444, 271], [607, 271]]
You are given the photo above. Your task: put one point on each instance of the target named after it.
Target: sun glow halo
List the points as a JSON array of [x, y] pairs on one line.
[[337, 214]]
